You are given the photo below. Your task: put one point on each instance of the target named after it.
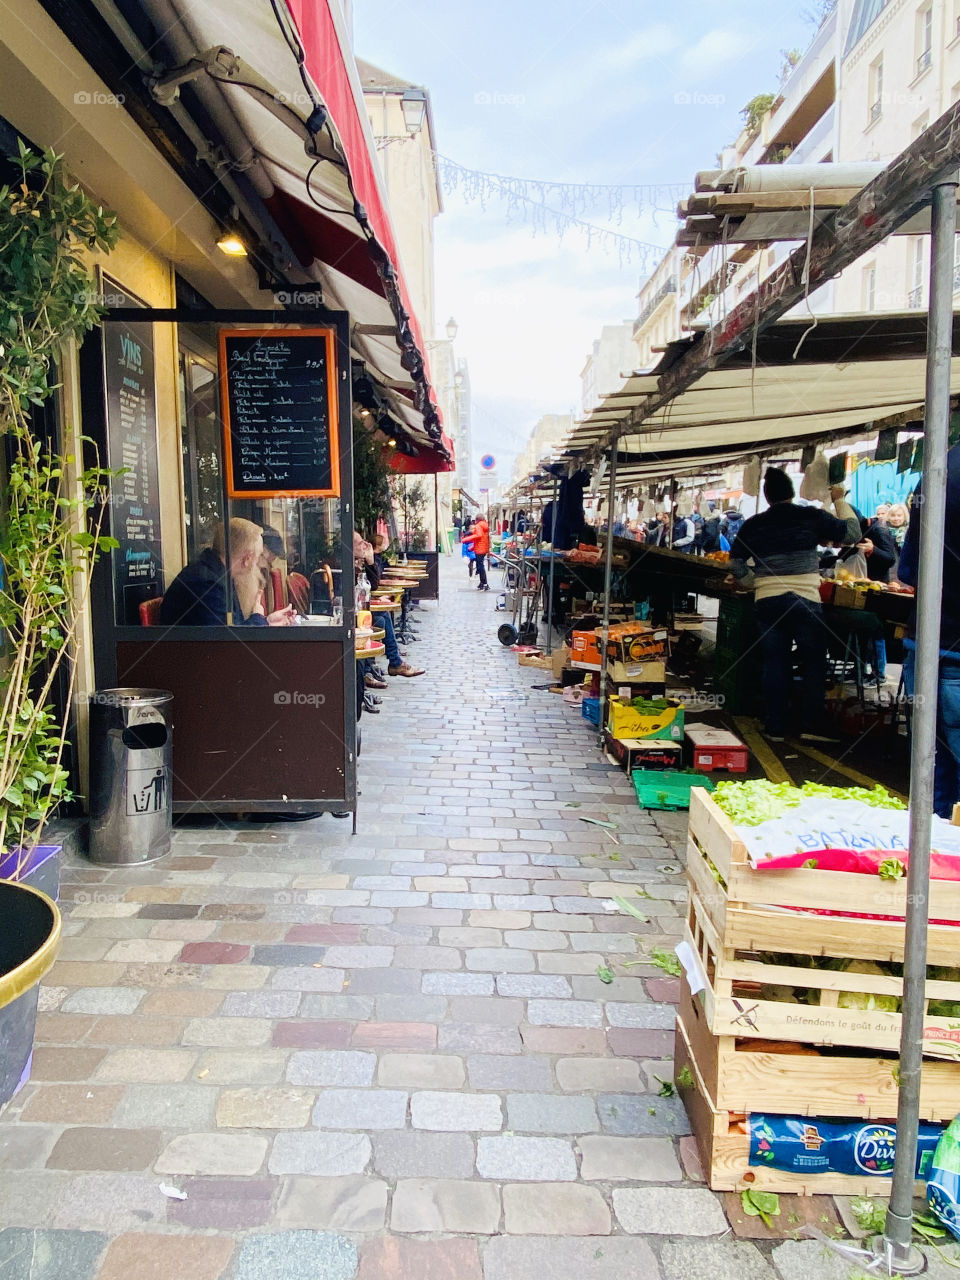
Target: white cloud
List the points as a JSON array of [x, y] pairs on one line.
[[714, 50]]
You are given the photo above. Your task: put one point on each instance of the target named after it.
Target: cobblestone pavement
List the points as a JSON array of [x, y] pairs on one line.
[[288, 1052]]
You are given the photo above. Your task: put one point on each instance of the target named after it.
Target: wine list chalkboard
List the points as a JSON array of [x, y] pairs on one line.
[[279, 405]]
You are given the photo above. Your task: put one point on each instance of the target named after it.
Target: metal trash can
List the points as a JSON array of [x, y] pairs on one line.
[[131, 802]]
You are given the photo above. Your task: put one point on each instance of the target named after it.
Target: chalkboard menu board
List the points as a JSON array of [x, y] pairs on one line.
[[279, 404], [131, 403]]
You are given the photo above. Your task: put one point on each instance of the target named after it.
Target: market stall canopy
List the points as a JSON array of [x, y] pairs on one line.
[[849, 371], [281, 84]]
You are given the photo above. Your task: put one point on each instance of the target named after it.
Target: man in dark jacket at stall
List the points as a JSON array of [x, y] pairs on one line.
[[946, 770], [777, 551], [198, 595]]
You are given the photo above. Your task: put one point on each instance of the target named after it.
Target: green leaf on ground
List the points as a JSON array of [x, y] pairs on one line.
[[760, 1204], [666, 1089], [684, 1078], [666, 960], [605, 973], [631, 910]]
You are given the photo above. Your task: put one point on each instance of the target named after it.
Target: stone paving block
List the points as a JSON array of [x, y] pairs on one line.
[[605, 1159], [235, 977], [186, 1002], [366, 1109], [644, 1016], [241, 1066], [499, 919], [427, 957], [353, 1203], [68, 1104], [551, 1113], [500, 960], [337, 1008], [609, 943], [103, 1000], [325, 1155], [158, 1257], [513, 1159], [214, 953], [118, 1150], [232, 1033], [421, 1070], [669, 1211], [533, 985], [533, 941], [292, 1255], [519, 1257], [166, 1106], [301, 978], [30, 1254], [451, 1112], [323, 934], [261, 1004], [26, 1146], [478, 1038], [456, 984], [806, 1259], [225, 1204], [420, 1154], [635, 1043], [567, 962], [395, 1035], [564, 1013], [495, 1010], [643, 1113], [563, 1040], [136, 1066], [331, 1067], [385, 982], [721, 1260], [521, 902], [303, 1034], [264, 1107], [465, 939], [599, 1075], [234, 1154], [410, 1009], [397, 1258], [358, 957], [514, 1072], [423, 1205], [555, 1209]]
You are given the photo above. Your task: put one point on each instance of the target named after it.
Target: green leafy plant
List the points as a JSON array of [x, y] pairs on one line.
[[605, 973], [666, 960], [764, 1205], [666, 1089], [756, 109], [684, 1078], [870, 1215], [891, 869], [50, 533], [371, 481]]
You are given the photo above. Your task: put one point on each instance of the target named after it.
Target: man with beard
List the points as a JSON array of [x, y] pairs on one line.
[[198, 596]]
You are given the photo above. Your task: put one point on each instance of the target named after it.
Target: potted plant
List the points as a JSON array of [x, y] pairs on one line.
[[49, 540]]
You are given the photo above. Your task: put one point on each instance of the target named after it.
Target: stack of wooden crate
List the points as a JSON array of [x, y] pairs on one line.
[[750, 1047]]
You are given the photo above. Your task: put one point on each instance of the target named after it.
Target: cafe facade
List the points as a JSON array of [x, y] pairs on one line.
[[255, 314]]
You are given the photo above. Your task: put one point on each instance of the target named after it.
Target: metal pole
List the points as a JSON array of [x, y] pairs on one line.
[[553, 563], [899, 1254], [607, 578], [436, 512]]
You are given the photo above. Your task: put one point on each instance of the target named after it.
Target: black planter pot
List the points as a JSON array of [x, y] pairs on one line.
[[29, 942]]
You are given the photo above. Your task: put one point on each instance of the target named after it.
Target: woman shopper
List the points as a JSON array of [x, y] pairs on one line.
[[479, 542]]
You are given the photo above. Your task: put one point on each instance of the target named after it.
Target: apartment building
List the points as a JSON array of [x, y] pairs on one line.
[[548, 433], [611, 358]]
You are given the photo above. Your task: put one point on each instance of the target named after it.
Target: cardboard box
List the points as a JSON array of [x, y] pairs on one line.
[[538, 660], [635, 753], [637, 672], [561, 660], [664, 724], [585, 651], [633, 642]]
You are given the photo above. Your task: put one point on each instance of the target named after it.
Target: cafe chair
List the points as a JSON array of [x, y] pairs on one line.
[[150, 611], [276, 584]]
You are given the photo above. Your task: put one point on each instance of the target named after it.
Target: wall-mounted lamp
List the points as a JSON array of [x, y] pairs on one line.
[[392, 444], [452, 329], [413, 104], [231, 244]]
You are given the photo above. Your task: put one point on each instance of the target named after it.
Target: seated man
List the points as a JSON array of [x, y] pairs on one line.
[[198, 597], [372, 565]]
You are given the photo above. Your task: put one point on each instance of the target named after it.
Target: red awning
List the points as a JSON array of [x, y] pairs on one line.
[[427, 463]]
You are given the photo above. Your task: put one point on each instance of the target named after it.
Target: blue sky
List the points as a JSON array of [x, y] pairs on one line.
[[568, 91]]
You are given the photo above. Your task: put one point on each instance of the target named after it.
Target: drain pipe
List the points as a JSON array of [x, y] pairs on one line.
[[553, 564], [607, 579], [895, 1246]]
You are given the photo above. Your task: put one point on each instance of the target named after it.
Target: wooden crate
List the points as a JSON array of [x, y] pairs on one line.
[[737, 1075], [734, 914], [724, 1148]]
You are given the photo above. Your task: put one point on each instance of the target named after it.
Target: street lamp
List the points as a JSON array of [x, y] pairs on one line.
[[452, 329], [414, 107]]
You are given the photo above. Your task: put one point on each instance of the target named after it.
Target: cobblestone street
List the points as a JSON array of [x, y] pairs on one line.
[[288, 1052]]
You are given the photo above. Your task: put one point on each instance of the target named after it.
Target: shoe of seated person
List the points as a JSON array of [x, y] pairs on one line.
[[368, 706], [405, 669], [372, 682]]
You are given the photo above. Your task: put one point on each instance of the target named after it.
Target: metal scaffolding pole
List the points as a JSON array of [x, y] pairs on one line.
[[607, 578], [900, 1256], [553, 563]]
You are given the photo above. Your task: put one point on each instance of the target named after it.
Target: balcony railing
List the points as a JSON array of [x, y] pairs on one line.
[[668, 287], [956, 278], [915, 297], [924, 61], [876, 111]]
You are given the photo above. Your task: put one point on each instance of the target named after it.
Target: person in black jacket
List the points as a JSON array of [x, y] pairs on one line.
[[198, 595]]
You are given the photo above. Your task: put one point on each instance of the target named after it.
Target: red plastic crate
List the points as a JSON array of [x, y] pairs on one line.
[[717, 749]]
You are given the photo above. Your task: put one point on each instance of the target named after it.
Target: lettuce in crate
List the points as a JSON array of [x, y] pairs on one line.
[[747, 804]]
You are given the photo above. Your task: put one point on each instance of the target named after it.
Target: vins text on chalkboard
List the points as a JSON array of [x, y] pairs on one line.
[[279, 403]]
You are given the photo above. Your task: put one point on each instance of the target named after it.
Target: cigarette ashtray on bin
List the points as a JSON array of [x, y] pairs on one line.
[[131, 805]]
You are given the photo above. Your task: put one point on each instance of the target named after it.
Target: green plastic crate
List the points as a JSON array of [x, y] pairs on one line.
[[663, 790]]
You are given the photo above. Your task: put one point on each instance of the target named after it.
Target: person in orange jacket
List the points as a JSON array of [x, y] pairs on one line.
[[478, 540]]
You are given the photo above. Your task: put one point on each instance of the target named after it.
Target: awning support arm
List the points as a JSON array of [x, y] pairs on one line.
[[607, 580]]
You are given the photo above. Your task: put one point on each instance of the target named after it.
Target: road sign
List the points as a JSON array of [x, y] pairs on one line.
[[488, 462]]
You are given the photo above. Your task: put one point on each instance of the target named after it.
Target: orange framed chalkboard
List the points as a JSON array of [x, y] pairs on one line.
[[278, 397]]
